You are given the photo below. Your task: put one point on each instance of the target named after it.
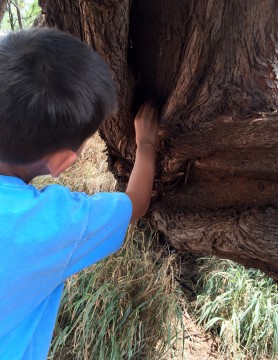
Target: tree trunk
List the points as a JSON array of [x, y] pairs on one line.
[[212, 68], [3, 5], [18, 13], [11, 16]]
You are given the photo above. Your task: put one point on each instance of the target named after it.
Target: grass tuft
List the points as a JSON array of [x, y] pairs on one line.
[[241, 306], [124, 307]]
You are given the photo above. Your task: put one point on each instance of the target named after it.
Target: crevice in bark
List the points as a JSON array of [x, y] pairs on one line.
[[151, 56]]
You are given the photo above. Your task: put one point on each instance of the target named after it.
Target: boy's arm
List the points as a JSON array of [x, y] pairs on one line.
[[139, 188]]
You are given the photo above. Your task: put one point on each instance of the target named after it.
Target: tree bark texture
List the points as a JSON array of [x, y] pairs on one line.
[[212, 68], [3, 5]]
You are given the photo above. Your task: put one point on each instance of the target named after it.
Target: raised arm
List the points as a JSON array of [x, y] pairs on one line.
[[140, 184]]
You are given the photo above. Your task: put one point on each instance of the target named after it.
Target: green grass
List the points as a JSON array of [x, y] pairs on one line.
[[127, 306], [241, 306]]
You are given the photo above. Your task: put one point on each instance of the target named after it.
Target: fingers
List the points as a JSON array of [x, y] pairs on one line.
[[140, 111], [147, 109]]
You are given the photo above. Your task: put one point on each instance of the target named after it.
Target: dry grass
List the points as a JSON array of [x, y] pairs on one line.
[[131, 301], [127, 306], [242, 306], [89, 173], [120, 307]]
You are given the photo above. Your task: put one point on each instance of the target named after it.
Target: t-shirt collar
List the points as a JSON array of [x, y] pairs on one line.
[[11, 180]]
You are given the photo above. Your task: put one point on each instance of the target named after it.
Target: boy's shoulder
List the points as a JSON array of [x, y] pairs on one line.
[[59, 201]]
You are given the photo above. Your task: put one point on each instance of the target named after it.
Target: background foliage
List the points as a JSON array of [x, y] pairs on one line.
[[29, 10]]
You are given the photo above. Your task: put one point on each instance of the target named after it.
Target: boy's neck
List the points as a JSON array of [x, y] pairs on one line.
[[25, 172], [54, 163]]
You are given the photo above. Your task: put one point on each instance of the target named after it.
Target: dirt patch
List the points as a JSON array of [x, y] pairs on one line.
[[195, 345]]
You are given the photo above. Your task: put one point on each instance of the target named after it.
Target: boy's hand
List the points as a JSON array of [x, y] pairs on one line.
[[139, 188], [146, 125]]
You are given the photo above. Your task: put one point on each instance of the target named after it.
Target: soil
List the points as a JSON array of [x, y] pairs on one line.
[[197, 345]]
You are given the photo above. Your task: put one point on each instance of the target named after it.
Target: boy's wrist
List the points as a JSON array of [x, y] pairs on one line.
[[147, 147], [147, 151]]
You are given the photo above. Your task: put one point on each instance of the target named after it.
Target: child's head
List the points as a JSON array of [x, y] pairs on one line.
[[54, 93]]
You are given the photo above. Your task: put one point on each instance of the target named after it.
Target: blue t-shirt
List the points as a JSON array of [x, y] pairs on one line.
[[46, 236]]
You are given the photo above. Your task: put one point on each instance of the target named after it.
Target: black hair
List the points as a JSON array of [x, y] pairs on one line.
[[54, 93]]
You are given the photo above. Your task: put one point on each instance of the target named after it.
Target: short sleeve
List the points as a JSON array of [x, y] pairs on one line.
[[108, 219], [46, 236]]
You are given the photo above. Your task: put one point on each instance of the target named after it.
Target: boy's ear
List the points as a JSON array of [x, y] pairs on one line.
[[59, 161]]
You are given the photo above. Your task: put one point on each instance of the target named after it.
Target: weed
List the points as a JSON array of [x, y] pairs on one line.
[[124, 307], [242, 306]]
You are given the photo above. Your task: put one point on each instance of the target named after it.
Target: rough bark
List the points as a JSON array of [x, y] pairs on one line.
[[212, 68], [3, 5]]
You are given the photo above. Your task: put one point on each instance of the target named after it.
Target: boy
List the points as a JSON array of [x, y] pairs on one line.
[[54, 93]]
